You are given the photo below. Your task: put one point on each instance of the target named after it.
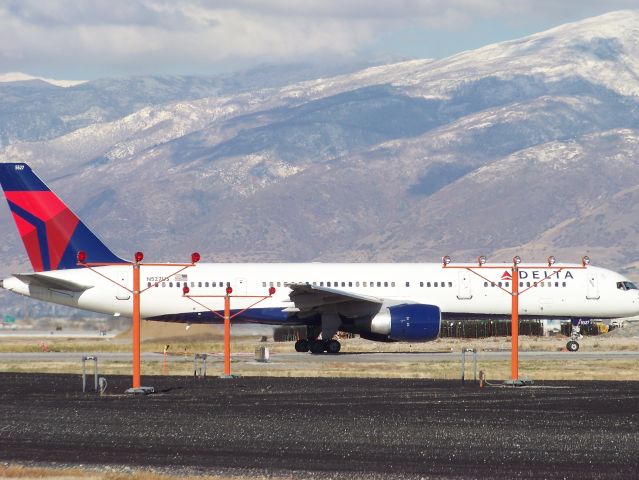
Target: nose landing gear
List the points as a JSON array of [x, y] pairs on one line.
[[575, 335]]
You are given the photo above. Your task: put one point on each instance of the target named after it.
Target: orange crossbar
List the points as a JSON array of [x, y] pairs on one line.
[[136, 292], [227, 317], [515, 294]]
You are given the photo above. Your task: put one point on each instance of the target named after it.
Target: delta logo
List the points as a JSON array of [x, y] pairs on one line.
[[538, 275]]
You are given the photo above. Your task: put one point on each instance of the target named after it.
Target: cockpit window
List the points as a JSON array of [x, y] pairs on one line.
[[626, 286]]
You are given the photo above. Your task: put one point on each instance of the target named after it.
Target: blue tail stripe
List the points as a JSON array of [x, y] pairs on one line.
[[18, 177], [41, 230], [84, 239]]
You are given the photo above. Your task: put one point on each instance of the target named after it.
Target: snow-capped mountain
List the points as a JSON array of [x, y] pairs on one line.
[[11, 77], [526, 146]]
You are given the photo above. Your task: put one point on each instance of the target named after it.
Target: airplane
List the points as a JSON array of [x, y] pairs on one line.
[[386, 302]]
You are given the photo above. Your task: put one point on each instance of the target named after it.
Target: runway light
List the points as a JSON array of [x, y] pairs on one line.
[[185, 290], [585, 261], [195, 257], [139, 256], [551, 261], [481, 260], [229, 290], [82, 256], [446, 260], [516, 260], [271, 291]]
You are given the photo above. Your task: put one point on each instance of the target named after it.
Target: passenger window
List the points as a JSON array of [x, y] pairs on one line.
[[170, 284], [279, 284], [408, 284], [499, 284], [164, 284], [521, 284], [321, 284], [392, 284], [528, 284], [328, 284], [450, 284], [177, 284], [485, 284], [350, 284], [363, 284], [214, 284], [199, 284], [435, 284], [206, 284], [507, 284], [563, 284], [556, 284], [421, 284], [315, 284], [357, 284], [379, 284], [386, 284], [443, 284], [148, 284]]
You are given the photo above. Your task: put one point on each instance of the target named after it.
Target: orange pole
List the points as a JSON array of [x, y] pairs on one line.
[[136, 325], [515, 325], [227, 335]]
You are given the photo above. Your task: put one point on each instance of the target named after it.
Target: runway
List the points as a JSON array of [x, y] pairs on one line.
[[324, 428], [296, 358]]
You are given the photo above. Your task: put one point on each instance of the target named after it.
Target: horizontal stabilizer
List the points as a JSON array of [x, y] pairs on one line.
[[46, 281]]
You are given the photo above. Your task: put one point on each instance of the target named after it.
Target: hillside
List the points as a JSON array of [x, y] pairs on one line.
[[526, 146]]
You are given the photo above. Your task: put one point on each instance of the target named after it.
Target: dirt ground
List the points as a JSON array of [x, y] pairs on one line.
[[258, 427]]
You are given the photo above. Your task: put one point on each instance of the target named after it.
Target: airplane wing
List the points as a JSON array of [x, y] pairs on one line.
[[46, 281], [308, 297]]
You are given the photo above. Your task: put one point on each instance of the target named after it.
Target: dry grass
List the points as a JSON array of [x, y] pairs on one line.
[[189, 345], [25, 473], [570, 368]]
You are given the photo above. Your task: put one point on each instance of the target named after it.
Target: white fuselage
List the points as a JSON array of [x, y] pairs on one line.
[[574, 292]]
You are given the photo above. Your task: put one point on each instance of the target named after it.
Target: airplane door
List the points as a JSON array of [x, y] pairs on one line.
[[463, 292], [592, 286], [240, 286], [123, 278]]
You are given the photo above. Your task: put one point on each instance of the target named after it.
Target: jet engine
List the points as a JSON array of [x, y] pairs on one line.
[[407, 322]]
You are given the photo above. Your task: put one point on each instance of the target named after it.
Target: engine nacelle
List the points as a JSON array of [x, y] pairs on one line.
[[408, 322]]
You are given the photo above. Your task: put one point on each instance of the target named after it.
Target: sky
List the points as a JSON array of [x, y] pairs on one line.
[[88, 39]]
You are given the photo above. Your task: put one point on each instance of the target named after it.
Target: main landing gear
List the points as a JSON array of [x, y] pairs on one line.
[[318, 346], [329, 327]]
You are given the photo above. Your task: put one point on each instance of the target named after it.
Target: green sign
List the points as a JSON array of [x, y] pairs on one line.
[[9, 319]]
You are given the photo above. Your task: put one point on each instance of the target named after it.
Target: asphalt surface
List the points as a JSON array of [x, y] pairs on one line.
[[325, 428]]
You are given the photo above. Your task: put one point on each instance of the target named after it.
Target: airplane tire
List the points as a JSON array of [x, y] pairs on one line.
[[317, 347], [302, 346], [572, 346], [332, 346]]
